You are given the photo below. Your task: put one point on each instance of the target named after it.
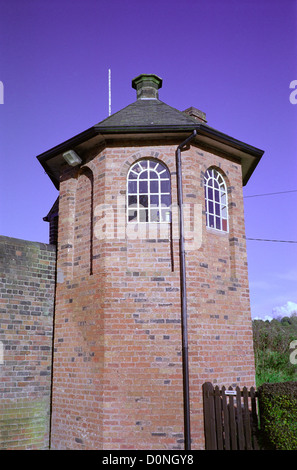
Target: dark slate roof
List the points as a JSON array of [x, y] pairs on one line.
[[147, 113], [148, 117]]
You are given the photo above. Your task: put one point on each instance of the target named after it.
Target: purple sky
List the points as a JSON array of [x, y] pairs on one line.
[[232, 59]]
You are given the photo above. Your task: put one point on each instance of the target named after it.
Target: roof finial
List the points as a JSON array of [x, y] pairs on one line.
[[146, 86]]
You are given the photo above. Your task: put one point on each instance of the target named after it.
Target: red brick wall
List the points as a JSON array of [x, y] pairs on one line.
[[27, 278], [118, 365]]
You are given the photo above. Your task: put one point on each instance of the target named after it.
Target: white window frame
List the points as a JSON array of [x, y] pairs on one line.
[[158, 184], [216, 201]]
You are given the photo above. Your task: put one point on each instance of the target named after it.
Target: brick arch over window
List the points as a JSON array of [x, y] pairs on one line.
[[142, 155], [148, 192], [216, 200]]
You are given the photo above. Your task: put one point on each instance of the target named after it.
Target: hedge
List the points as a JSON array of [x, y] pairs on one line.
[[278, 415]]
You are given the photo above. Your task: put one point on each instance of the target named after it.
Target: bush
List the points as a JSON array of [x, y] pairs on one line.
[[272, 350], [278, 415]]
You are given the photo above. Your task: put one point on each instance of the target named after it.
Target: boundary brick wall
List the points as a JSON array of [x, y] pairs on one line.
[[117, 374], [27, 277]]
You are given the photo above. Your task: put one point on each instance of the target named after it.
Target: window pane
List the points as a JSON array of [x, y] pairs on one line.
[[143, 163], [137, 168], [165, 215], [210, 194], [224, 212], [156, 167], [224, 225], [132, 175], [164, 174], [153, 175], [217, 196], [211, 220], [143, 187], [132, 214], [154, 186], [143, 215], [165, 186], [218, 223], [217, 207], [143, 200], [132, 187], [143, 175], [132, 200], [166, 200], [153, 164], [155, 215], [210, 207], [223, 198], [154, 200]]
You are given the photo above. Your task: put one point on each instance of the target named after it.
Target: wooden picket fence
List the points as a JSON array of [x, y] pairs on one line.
[[230, 418]]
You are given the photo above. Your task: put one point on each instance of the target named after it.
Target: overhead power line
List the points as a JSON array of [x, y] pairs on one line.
[[275, 241], [271, 194]]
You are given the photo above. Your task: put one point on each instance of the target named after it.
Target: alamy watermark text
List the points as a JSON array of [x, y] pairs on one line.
[[1, 93], [293, 94]]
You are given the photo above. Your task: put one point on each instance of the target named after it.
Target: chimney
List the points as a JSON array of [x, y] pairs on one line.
[[146, 86], [195, 113]]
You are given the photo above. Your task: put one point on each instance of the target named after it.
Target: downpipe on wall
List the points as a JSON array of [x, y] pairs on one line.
[[186, 392]]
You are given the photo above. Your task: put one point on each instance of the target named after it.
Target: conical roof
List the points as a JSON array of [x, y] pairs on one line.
[[150, 118], [148, 113]]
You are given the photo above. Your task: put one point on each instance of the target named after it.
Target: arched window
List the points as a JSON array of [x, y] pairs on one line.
[[216, 203], [148, 192]]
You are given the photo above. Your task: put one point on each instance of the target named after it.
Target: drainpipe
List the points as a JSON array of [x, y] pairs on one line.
[[187, 428]]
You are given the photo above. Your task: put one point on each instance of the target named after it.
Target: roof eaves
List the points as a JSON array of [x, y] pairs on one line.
[[204, 129], [76, 140], [143, 129]]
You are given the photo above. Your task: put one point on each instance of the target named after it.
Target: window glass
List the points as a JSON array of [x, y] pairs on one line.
[[132, 200], [143, 187], [154, 186], [216, 204], [165, 200], [148, 192], [165, 186], [153, 175], [143, 175], [143, 200], [132, 187]]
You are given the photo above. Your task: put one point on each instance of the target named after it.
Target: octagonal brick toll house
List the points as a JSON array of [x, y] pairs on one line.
[[119, 364]]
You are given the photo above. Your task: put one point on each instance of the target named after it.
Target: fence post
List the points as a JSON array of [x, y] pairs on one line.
[[218, 416], [232, 422], [240, 430], [226, 419], [254, 418], [209, 417], [246, 420]]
